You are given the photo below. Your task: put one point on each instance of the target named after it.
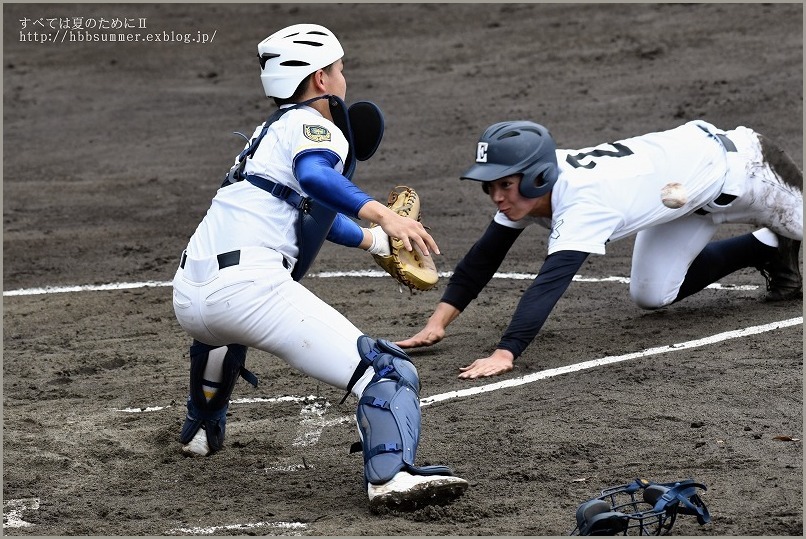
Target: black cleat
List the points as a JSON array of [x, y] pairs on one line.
[[782, 273]]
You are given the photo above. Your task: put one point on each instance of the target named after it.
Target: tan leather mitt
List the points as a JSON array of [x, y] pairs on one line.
[[409, 268]]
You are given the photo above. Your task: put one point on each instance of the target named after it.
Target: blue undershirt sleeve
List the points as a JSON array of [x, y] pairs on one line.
[[315, 173], [539, 299], [345, 231]]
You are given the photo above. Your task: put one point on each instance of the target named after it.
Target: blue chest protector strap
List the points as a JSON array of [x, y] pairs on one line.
[[316, 219]]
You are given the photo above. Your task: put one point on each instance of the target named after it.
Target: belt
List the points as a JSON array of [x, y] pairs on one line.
[[723, 139], [225, 260], [724, 199], [726, 142]]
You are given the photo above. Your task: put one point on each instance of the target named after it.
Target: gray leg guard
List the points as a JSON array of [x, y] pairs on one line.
[[388, 413], [212, 415]]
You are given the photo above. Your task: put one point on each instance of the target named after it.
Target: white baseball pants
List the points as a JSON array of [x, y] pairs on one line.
[[663, 254], [256, 303]]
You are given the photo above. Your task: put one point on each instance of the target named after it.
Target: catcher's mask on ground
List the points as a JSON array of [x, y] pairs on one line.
[[620, 510], [291, 54], [517, 147]]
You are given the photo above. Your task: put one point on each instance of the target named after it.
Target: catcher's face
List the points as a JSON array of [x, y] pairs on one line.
[[335, 81], [506, 195]]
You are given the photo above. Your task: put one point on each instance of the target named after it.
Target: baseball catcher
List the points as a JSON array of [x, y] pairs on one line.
[[409, 268], [238, 281]]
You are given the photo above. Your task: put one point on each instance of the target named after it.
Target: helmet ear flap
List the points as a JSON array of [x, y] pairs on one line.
[[538, 183]]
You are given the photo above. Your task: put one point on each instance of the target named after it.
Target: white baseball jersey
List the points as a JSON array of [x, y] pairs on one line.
[[256, 302], [241, 215], [612, 191]]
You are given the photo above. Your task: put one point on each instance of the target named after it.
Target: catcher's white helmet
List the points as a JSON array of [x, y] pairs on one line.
[[293, 53]]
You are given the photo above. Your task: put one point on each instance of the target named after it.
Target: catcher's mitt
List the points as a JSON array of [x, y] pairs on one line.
[[410, 268]]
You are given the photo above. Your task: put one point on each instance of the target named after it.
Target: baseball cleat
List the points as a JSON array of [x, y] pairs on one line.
[[197, 447], [782, 273], [407, 492]]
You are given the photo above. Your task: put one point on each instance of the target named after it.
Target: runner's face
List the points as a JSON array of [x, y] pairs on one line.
[[507, 197]]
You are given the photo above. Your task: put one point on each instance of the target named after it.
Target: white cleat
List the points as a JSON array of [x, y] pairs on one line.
[[197, 447], [409, 492]]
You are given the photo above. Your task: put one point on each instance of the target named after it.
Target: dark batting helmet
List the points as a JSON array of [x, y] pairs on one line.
[[518, 147]]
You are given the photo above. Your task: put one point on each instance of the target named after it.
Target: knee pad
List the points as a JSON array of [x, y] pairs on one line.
[[388, 414], [212, 415]]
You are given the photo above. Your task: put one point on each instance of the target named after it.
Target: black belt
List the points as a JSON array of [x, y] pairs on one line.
[[225, 260], [726, 142], [724, 199], [723, 139]]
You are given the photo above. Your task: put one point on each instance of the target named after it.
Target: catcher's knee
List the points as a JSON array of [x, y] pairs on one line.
[[388, 414], [211, 415]]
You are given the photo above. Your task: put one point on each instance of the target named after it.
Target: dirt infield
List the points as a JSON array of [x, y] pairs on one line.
[[112, 151]]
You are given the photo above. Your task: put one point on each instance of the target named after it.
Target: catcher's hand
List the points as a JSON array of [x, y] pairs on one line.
[[410, 268]]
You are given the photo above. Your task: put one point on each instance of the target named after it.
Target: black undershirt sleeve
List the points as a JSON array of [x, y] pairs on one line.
[[478, 266], [539, 299]]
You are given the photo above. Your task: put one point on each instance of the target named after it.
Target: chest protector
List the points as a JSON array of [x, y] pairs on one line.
[[362, 125]]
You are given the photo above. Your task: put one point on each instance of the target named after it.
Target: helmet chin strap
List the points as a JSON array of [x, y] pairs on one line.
[[333, 102], [311, 100]]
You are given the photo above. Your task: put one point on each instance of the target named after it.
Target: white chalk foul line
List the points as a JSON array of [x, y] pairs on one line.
[[315, 414], [84, 288], [270, 400], [324, 275], [13, 509], [529, 378], [287, 528]]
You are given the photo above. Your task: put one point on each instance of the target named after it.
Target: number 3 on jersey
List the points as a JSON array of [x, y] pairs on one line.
[[576, 160]]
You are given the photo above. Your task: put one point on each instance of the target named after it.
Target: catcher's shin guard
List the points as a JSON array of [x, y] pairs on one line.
[[212, 415], [388, 414]]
